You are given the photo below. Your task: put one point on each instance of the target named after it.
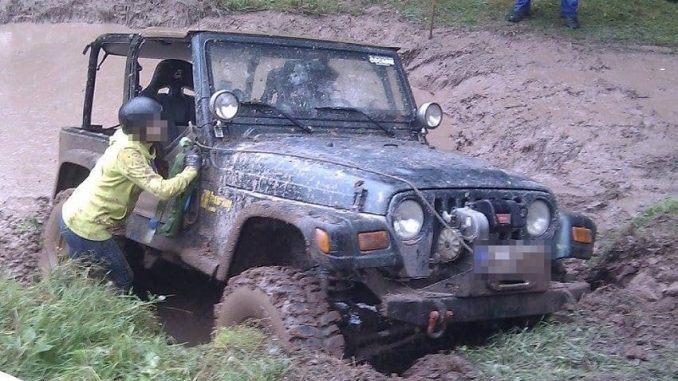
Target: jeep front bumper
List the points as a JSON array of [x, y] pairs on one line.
[[416, 308]]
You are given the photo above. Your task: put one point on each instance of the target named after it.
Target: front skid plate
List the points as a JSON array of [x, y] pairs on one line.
[[415, 308]]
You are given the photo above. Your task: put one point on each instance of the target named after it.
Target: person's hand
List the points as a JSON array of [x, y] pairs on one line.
[[193, 159]]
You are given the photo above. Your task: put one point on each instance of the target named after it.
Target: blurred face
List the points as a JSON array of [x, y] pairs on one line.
[[150, 131], [156, 131]]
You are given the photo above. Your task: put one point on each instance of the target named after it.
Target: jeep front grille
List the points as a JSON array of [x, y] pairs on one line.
[[446, 200]]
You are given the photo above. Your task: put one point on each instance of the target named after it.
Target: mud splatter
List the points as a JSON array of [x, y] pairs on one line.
[[21, 222]]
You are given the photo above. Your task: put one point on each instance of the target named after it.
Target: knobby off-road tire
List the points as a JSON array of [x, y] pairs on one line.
[[289, 302], [54, 247]]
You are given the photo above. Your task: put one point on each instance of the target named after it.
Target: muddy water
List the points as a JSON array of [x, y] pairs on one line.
[[43, 71]]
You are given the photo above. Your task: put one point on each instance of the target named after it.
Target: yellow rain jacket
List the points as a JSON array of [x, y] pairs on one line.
[[108, 195]]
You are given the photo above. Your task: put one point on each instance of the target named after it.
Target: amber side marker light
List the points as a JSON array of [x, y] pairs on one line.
[[581, 235], [322, 240], [370, 241]]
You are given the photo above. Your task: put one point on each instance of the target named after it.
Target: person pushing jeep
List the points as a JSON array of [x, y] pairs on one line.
[[102, 202]]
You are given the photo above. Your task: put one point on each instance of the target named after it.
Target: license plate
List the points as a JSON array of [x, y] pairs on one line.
[[511, 257]]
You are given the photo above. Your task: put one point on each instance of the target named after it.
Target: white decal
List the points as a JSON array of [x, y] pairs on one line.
[[382, 60]]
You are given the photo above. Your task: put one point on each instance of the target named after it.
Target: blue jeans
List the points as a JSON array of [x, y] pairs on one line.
[[105, 253], [568, 8]]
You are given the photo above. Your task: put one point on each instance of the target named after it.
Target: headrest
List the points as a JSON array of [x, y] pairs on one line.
[[175, 74]]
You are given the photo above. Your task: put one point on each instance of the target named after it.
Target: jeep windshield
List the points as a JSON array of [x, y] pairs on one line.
[[310, 83]]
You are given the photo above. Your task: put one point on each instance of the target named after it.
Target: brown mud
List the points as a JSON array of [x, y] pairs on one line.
[[598, 124]]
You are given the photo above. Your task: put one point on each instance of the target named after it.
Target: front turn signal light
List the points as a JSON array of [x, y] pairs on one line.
[[581, 235], [370, 241], [322, 240]]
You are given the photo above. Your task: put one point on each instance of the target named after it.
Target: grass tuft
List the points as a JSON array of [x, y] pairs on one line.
[[559, 351], [669, 206], [68, 327], [241, 338], [29, 224]]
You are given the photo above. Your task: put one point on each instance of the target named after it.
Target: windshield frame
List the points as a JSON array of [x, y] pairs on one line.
[[205, 70]]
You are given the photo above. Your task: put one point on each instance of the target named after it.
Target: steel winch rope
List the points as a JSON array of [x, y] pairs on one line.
[[416, 190]]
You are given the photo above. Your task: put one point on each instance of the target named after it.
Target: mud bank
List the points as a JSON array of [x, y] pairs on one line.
[[636, 294], [171, 13], [596, 124], [21, 222]]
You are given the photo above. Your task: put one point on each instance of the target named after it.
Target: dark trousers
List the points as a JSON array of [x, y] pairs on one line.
[[104, 253]]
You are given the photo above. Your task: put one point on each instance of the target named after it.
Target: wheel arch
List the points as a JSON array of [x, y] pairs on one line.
[[74, 168], [269, 241], [268, 234]]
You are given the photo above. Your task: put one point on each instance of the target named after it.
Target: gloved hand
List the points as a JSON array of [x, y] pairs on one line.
[[193, 159]]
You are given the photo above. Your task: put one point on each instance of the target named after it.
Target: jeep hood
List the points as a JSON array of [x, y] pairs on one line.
[[326, 170]]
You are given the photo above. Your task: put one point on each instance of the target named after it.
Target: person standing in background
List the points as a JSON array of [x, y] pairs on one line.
[[568, 12]]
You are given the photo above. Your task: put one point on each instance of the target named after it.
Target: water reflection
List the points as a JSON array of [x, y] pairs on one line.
[[43, 76]]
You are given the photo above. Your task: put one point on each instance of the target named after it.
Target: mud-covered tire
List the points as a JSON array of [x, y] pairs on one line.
[[288, 302], [54, 248]]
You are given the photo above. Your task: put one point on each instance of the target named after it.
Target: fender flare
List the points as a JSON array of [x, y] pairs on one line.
[[81, 157], [297, 216]]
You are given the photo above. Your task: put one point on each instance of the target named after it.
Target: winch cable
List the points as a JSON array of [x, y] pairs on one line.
[[416, 190]]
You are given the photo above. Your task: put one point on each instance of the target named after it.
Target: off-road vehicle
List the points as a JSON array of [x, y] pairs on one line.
[[320, 204]]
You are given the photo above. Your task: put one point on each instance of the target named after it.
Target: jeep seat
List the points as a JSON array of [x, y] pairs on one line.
[[178, 107]]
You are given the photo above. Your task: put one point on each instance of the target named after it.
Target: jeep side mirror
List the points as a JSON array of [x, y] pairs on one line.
[[224, 105], [430, 115]]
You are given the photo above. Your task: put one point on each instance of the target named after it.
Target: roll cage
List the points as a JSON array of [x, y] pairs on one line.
[[191, 46]]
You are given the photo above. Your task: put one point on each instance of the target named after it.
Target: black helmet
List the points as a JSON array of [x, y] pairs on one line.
[[137, 112]]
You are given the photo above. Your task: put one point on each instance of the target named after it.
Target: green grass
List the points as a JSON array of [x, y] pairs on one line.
[[560, 351], [669, 206], [318, 7], [70, 328], [649, 21], [643, 220]]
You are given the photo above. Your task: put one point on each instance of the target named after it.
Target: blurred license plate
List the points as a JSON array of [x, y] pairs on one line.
[[510, 257]]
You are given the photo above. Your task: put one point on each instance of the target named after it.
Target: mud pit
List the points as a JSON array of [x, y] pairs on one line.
[[597, 124]]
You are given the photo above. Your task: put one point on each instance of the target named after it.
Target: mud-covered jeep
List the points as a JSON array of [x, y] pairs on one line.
[[320, 204]]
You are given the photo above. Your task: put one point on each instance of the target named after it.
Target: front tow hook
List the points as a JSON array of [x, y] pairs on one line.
[[437, 323]]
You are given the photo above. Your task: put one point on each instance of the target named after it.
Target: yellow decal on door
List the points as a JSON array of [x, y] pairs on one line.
[[211, 201]]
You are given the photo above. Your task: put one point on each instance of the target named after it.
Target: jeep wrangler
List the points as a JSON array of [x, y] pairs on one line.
[[320, 204]]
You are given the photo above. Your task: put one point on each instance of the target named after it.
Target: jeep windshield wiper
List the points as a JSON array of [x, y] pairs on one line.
[[289, 117], [361, 112]]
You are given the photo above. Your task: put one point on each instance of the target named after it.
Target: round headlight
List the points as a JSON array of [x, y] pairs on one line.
[[430, 115], [408, 218], [224, 104], [538, 218]]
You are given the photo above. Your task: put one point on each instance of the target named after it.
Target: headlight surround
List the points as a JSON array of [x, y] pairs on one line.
[[224, 104], [408, 219], [538, 218], [430, 115]]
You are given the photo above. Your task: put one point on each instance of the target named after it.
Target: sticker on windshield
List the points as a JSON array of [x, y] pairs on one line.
[[382, 60]]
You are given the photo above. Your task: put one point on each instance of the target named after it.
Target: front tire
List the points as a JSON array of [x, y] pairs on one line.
[[289, 302], [54, 247]]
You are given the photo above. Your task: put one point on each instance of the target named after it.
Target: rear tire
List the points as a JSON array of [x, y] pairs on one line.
[[54, 247], [289, 302]]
